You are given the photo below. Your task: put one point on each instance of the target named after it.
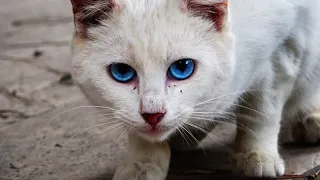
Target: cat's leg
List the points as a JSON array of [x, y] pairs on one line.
[[306, 124], [307, 131], [145, 161], [256, 146], [256, 151], [301, 114]]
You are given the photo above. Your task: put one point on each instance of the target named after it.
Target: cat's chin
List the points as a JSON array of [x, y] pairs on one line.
[[155, 135]]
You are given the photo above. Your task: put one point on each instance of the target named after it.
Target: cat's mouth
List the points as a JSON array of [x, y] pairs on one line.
[[154, 130], [158, 132]]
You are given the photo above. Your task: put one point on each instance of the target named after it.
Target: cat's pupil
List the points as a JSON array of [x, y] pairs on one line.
[[123, 68], [182, 65]]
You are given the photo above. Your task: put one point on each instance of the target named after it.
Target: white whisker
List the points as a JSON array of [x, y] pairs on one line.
[[106, 129], [184, 136], [209, 134], [239, 125], [99, 125], [113, 130], [79, 107], [195, 139]]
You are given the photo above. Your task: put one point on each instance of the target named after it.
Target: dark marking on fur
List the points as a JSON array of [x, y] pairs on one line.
[[292, 47]]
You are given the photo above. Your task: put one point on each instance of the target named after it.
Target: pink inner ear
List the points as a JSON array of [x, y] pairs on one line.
[[214, 12]]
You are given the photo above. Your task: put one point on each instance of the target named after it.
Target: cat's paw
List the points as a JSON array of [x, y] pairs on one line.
[[308, 131], [139, 171], [258, 164]]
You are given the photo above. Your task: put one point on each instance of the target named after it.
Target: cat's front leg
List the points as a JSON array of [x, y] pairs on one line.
[[145, 161], [256, 148]]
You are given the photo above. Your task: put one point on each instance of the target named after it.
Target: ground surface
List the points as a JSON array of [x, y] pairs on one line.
[[34, 87]]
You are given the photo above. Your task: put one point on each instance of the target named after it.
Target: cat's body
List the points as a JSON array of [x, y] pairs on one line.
[[278, 54], [272, 71]]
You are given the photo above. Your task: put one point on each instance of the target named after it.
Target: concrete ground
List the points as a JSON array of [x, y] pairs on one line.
[[35, 87]]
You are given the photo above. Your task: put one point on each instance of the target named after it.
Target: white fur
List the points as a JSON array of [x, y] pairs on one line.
[[275, 57], [276, 50]]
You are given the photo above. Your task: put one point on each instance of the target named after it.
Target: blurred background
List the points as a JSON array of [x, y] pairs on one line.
[[39, 138]]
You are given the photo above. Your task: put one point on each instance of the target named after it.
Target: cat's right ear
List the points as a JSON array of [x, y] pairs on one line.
[[90, 13]]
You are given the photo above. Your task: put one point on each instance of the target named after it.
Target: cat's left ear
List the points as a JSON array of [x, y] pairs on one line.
[[214, 10], [89, 13]]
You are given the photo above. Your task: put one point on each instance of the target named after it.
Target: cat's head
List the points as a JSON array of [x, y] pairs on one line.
[[155, 63]]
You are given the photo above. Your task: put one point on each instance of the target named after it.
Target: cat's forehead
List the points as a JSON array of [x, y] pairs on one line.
[[148, 7], [154, 27], [151, 17], [152, 33]]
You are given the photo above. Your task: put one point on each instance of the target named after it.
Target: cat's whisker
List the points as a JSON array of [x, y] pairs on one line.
[[207, 112], [233, 115], [75, 108], [186, 138], [221, 96], [207, 106], [123, 116], [127, 121], [105, 118], [245, 107], [93, 143], [183, 136], [125, 133], [194, 138], [239, 125], [237, 105], [180, 115], [102, 132], [94, 116], [209, 135], [225, 95], [225, 121], [214, 114], [86, 129]]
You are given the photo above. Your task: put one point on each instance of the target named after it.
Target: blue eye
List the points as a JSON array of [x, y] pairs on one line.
[[182, 69], [122, 72]]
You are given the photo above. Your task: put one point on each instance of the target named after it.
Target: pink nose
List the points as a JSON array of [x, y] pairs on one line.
[[153, 119]]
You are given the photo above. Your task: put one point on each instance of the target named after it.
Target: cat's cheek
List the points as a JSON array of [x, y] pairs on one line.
[[179, 85], [175, 89], [132, 85]]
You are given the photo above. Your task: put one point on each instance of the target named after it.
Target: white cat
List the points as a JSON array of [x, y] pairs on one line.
[[166, 65]]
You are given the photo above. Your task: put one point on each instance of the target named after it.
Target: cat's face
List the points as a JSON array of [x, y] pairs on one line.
[[152, 57]]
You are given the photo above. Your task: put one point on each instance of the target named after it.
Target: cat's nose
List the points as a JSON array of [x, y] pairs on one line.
[[153, 119]]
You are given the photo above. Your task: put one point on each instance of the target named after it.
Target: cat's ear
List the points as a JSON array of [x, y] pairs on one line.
[[89, 13], [214, 10]]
